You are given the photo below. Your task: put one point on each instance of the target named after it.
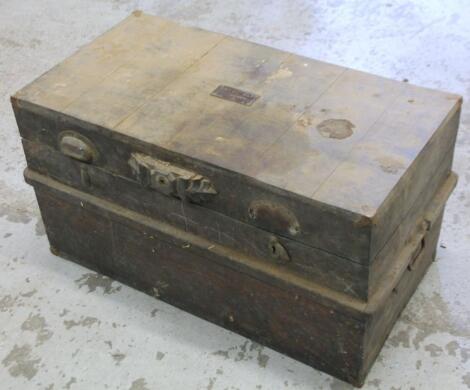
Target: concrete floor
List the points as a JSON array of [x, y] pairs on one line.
[[62, 326]]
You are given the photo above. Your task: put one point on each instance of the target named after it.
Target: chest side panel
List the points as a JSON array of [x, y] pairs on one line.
[[306, 262]]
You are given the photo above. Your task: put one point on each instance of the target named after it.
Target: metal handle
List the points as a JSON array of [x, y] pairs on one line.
[[171, 180], [76, 146]]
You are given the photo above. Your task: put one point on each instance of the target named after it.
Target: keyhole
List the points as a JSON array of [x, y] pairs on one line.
[[273, 249], [277, 251]]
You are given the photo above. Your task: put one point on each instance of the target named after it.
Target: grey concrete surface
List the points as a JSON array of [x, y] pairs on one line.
[[64, 327]]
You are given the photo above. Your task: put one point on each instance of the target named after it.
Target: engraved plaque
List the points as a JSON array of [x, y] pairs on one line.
[[234, 95]]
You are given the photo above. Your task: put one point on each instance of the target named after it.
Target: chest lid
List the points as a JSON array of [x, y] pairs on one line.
[[344, 143]]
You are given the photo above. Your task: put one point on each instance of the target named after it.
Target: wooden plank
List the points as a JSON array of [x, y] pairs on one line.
[[281, 318], [308, 263], [192, 122], [315, 265], [381, 159], [149, 64], [304, 157], [287, 318], [322, 227], [338, 148], [77, 74]]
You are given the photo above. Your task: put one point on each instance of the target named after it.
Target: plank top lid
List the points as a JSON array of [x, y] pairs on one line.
[[343, 138]]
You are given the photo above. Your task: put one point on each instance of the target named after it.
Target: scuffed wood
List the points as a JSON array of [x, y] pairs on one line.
[[337, 146], [338, 336], [296, 202]]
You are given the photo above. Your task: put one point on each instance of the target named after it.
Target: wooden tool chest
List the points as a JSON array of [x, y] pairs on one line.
[[295, 202]]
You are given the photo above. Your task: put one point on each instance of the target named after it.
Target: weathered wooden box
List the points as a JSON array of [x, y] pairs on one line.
[[296, 202]]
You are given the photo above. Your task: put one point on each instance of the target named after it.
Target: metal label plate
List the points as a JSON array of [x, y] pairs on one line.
[[234, 95]]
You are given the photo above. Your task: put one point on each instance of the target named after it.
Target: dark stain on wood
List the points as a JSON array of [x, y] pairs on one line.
[[336, 128]]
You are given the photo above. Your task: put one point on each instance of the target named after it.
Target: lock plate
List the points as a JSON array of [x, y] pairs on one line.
[[278, 251], [171, 180]]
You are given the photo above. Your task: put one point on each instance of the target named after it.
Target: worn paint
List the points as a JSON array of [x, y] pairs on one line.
[[118, 357], [466, 379], [433, 349], [29, 294], [20, 362], [69, 384], [7, 302], [139, 384], [94, 281], [434, 308], [211, 383], [86, 322], [245, 352], [37, 324]]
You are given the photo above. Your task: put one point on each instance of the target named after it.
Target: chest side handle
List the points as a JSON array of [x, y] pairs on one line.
[[76, 146]]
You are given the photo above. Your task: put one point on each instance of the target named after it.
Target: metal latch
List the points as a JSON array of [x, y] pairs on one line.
[[420, 241], [171, 180]]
